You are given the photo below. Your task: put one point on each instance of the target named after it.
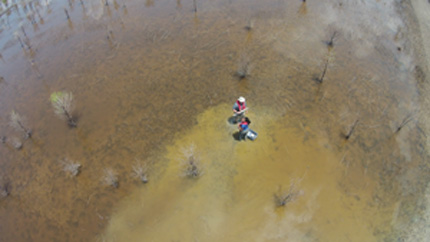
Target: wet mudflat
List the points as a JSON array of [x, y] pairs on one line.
[[334, 90]]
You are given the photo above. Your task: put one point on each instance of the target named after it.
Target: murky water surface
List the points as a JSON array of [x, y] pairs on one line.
[[153, 80]]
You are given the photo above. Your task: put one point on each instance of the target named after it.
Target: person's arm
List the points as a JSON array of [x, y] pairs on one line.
[[235, 108], [243, 111]]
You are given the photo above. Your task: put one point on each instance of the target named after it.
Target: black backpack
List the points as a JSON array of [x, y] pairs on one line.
[[248, 120]]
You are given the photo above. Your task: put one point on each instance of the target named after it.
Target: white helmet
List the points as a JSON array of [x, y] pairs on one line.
[[241, 99]]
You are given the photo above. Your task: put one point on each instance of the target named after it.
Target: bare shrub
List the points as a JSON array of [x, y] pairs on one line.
[[140, 172], [70, 167], [191, 163], [18, 37], [244, 67], [351, 130], [16, 143], [405, 121], [110, 178], [250, 25], [63, 106], [283, 198], [67, 13], [3, 192], [320, 79], [330, 43], [17, 122], [4, 188]]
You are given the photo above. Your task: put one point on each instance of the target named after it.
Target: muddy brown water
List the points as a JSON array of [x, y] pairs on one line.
[[151, 79]]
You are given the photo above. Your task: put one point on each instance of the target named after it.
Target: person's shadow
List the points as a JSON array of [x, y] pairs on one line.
[[232, 120], [236, 136]]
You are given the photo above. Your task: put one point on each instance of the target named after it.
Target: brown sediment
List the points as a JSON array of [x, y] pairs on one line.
[[169, 80]]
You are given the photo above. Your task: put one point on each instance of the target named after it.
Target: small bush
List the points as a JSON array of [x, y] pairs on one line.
[[140, 172], [191, 163], [70, 167], [63, 106], [110, 178], [244, 67], [17, 122], [283, 198]]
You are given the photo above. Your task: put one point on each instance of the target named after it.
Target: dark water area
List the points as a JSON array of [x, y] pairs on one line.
[[151, 79]]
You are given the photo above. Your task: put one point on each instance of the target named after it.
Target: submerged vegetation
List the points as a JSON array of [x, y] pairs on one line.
[[63, 106]]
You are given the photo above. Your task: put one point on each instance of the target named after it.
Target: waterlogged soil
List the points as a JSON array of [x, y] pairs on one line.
[[153, 80]]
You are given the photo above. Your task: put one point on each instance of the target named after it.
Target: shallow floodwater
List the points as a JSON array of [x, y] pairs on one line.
[[234, 198], [151, 79]]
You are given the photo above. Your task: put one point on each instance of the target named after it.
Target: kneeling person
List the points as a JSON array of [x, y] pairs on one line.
[[244, 128]]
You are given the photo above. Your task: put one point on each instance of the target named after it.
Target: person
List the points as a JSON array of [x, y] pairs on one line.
[[244, 127], [239, 108]]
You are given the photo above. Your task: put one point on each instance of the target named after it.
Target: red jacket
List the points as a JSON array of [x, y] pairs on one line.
[[241, 106]]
